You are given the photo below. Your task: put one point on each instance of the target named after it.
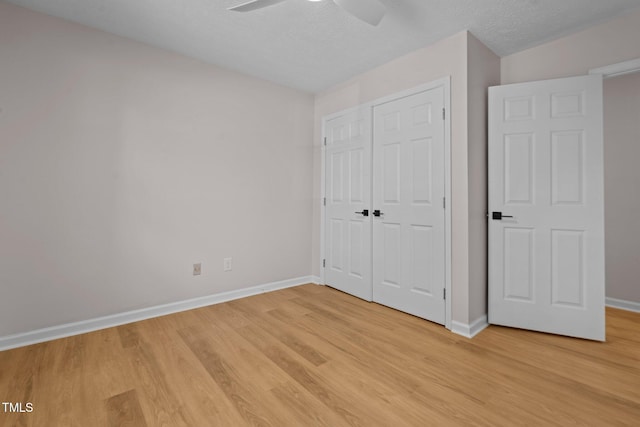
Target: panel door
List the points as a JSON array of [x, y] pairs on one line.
[[546, 252], [348, 198], [408, 190]]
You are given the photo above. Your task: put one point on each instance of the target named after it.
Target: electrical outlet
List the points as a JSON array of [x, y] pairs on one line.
[[197, 269], [227, 264]]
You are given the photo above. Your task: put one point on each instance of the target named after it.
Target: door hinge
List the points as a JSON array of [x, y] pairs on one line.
[[444, 203], [324, 201], [444, 293], [324, 263], [325, 140], [444, 114]]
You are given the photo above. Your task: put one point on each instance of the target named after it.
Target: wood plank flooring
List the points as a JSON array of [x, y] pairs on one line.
[[313, 356]]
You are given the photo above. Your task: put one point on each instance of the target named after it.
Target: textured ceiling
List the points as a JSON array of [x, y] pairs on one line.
[[314, 45]]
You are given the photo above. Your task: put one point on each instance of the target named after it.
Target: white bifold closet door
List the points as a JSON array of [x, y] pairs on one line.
[[348, 200], [408, 204], [385, 214]]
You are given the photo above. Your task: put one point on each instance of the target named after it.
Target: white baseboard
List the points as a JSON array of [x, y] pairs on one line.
[[315, 280], [76, 328], [623, 304], [478, 325], [471, 330]]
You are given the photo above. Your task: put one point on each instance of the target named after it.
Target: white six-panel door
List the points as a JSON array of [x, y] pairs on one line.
[[408, 190], [546, 254], [348, 195]]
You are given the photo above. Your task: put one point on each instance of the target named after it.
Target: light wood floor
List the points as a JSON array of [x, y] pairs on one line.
[[313, 356]]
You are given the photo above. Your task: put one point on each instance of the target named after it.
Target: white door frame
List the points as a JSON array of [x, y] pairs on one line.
[[619, 69], [445, 83], [607, 72]]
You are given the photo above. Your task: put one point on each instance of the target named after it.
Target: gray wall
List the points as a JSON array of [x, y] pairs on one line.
[[121, 165], [483, 70], [622, 182]]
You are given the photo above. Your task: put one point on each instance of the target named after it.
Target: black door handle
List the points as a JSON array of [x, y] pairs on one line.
[[377, 213], [498, 216], [365, 212]]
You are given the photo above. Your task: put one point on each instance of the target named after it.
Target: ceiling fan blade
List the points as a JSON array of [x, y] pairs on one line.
[[254, 4], [369, 11]]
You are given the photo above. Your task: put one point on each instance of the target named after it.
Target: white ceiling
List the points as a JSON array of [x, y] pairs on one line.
[[314, 45]]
